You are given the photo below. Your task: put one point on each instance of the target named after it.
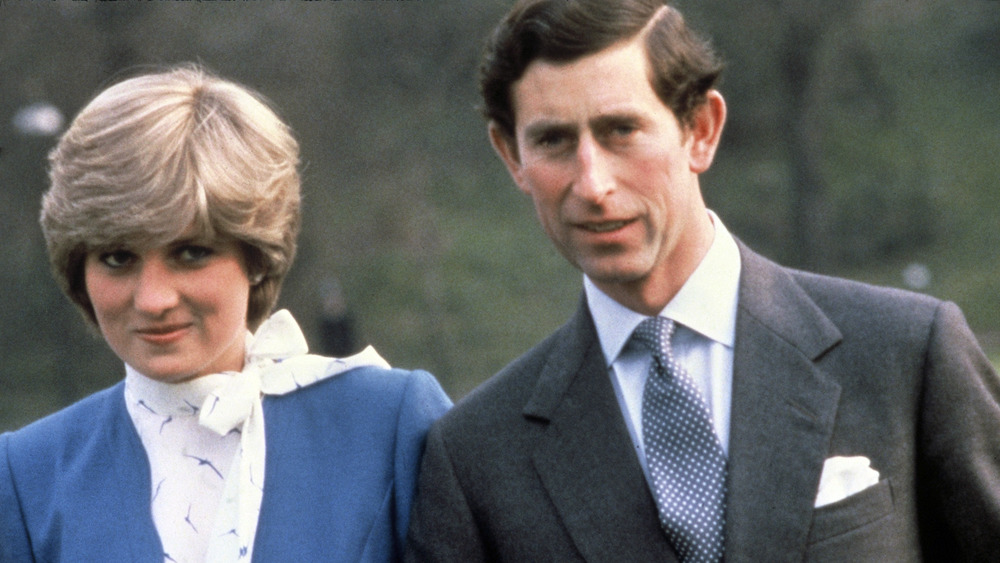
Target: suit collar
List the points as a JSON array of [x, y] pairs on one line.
[[770, 295], [783, 412], [565, 359]]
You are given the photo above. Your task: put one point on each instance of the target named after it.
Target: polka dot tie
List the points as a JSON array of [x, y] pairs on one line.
[[686, 461]]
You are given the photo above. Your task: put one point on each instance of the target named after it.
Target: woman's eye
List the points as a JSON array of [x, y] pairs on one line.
[[117, 259], [193, 253]]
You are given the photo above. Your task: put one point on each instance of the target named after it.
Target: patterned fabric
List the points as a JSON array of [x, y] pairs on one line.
[[686, 462], [188, 463], [208, 517]]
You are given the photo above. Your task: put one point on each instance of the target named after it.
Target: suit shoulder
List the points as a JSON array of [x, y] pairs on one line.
[[845, 297], [814, 310], [869, 314], [836, 297], [500, 399]]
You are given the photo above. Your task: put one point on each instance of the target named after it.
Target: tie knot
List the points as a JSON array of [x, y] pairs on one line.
[[654, 333]]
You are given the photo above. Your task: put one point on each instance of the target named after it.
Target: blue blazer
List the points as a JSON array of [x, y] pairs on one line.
[[342, 461]]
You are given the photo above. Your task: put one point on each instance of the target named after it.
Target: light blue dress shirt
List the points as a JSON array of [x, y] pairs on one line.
[[705, 310]]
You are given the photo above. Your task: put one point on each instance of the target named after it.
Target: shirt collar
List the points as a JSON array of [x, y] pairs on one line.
[[705, 304], [163, 398]]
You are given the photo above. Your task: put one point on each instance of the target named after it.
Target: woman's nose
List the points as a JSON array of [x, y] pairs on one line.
[[155, 291]]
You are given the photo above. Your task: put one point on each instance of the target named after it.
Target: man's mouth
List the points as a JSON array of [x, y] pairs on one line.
[[604, 227]]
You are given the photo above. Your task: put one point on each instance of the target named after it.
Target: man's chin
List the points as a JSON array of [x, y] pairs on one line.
[[609, 272]]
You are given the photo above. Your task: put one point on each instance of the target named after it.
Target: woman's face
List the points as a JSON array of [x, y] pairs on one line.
[[173, 312]]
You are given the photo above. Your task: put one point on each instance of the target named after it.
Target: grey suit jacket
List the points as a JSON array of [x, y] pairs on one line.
[[537, 464]]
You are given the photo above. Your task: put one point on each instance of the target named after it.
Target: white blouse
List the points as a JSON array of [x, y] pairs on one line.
[[205, 442]]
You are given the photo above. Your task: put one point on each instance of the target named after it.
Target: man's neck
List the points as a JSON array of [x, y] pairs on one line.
[[650, 294]]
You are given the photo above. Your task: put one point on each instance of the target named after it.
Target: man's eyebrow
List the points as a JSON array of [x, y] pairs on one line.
[[541, 128], [616, 118]]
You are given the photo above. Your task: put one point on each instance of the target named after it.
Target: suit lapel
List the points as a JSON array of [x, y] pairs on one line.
[[782, 414], [585, 458]]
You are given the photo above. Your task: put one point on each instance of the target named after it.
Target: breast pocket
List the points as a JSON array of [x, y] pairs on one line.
[[853, 512]]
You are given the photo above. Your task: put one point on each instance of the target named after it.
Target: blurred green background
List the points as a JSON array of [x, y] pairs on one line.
[[863, 141]]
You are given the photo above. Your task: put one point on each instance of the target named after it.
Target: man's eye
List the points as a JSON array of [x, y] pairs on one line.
[[623, 130], [550, 141], [117, 259], [619, 129], [550, 137]]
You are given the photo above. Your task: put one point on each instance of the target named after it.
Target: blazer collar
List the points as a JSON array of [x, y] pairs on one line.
[[584, 457], [783, 412]]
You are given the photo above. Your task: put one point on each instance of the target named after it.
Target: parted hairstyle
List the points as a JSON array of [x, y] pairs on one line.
[[683, 67], [157, 155]]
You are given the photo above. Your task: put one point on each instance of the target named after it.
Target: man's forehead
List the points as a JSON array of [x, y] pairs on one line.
[[612, 82]]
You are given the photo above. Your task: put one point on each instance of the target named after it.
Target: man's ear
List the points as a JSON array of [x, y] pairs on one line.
[[705, 131], [506, 148]]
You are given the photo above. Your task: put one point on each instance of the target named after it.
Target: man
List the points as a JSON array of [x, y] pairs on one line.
[[777, 416]]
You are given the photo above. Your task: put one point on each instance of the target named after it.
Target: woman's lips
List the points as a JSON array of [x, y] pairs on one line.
[[163, 334]]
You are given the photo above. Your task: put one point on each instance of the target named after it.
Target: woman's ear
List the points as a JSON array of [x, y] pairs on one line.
[[705, 131]]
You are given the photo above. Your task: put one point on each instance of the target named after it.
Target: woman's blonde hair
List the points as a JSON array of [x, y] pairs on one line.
[[156, 154]]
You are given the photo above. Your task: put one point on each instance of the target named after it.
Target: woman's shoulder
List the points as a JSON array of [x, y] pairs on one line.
[[52, 440], [389, 380], [371, 393], [383, 385], [75, 421]]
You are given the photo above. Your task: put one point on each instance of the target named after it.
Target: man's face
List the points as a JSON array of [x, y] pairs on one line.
[[613, 175]]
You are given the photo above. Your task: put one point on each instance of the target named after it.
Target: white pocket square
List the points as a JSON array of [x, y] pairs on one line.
[[843, 477]]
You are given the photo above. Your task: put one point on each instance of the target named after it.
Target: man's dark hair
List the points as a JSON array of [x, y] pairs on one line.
[[684, 67]]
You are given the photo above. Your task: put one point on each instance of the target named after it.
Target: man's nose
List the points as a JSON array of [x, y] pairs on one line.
[[155, 290], [594, 180]]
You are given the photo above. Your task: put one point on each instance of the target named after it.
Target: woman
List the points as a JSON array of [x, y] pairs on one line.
[[171, 222]]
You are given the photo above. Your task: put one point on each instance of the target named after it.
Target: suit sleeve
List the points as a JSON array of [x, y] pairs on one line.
[[959, 464], [443, 528], [423, 403], [15, 546]]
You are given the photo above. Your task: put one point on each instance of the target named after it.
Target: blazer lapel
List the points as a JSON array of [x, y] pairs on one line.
[[126, 490], [782, 414], [585, 458]]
